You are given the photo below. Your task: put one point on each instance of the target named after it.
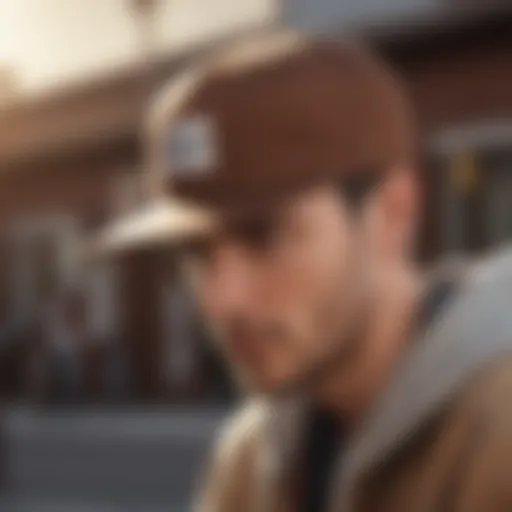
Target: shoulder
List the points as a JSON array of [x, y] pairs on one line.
[[489, 396], [230, 473], [486, 412], [484, 401], [241, 431]]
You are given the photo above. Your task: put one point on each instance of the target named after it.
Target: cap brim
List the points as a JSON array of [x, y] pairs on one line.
[[165, 223]]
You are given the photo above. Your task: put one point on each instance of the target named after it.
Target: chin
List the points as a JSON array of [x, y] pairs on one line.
[[266, 385]]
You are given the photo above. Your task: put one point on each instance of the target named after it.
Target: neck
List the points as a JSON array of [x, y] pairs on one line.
[[350, 391]]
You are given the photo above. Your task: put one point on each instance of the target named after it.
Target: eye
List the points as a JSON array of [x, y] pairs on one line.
[[257, 233]]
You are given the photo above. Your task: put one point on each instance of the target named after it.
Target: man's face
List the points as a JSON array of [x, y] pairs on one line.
[[286, 295], [280, 293]]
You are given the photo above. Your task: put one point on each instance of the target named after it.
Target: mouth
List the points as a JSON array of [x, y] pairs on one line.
[[247, 350]]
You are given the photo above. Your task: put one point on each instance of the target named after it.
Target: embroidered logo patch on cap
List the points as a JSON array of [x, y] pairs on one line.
[[191, 147]]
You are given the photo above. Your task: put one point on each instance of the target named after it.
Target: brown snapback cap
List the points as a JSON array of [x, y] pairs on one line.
[[265, 117]]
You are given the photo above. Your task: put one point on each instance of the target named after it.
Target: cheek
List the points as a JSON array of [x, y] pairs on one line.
[[307, 294], [309, 272]]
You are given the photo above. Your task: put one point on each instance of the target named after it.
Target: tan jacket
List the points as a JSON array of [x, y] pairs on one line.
[[438, 440]]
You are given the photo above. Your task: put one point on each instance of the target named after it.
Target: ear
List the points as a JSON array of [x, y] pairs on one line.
[[398, 205]]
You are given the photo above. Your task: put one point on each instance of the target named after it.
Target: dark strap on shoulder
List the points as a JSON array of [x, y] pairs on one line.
[[444, 283]]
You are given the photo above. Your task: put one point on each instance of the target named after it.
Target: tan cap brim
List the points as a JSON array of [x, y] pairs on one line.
[[166, 222]]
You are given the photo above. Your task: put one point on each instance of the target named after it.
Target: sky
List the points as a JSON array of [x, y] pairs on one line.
[[48, 43]]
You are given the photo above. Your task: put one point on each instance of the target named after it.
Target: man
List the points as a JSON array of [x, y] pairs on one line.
[[373, 388]]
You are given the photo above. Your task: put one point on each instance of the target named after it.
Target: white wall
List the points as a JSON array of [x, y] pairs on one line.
[[50, 42]]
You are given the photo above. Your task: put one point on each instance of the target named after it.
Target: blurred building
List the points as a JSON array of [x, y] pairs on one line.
[[71, 159]]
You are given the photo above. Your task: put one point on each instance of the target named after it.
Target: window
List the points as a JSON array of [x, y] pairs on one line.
[[101, 286], [475, 164], [498, 197], [181, 359], [43, 259]]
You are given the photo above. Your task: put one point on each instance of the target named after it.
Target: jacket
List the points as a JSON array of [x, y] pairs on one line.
[[439, 438]]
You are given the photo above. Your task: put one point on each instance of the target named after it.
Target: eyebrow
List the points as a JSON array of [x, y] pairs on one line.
[[240, 229], [357, 185], [254, 222]]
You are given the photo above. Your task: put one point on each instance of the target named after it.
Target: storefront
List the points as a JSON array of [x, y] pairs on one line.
[[70, 162]]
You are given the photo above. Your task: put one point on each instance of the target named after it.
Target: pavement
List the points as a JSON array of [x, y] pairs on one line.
[[105, 461]]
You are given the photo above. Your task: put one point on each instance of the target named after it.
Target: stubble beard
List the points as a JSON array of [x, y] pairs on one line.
[[346, 341], [350, 312]]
